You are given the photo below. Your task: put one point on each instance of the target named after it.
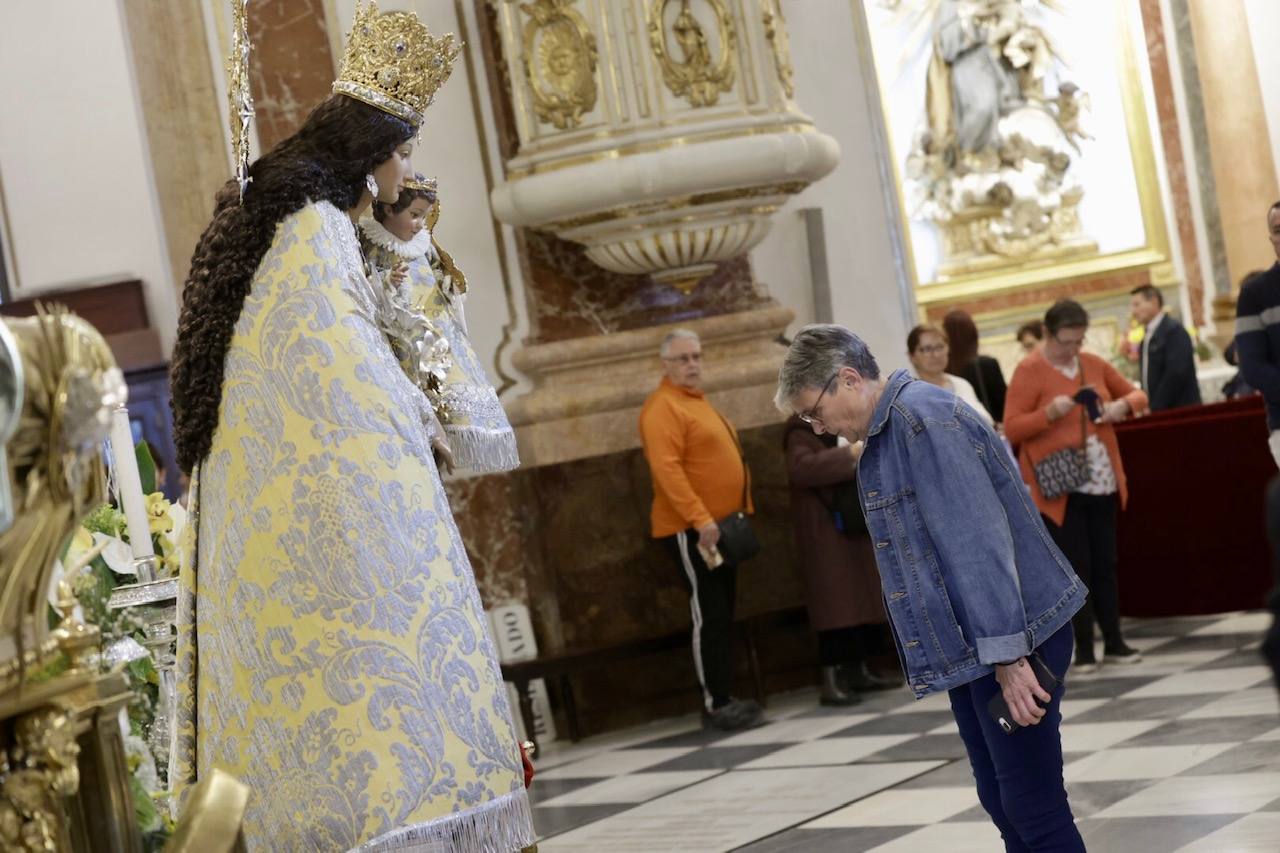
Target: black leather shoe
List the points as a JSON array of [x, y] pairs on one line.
[[834, 693], [859, 676]]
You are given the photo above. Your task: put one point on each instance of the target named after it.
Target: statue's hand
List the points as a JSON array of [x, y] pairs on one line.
[[444, 455]]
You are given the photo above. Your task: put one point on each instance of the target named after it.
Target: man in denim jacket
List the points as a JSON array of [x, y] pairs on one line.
[[973, 584]]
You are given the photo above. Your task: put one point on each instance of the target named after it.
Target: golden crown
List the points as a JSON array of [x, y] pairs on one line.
[[393, 62], [421, 184]]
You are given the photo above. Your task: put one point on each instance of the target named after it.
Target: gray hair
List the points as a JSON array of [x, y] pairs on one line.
[[816, 354], [677, 335]]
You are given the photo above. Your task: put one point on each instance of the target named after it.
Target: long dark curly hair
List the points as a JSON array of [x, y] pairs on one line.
[[326, 160]]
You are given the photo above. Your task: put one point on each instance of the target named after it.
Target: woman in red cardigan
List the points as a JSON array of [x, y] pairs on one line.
[[1045, 414]]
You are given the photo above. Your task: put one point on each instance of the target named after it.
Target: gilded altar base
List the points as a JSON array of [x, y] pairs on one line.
[[975, 242]]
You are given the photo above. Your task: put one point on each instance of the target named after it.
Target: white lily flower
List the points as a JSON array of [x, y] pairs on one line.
[[178, 513], [116, 554]]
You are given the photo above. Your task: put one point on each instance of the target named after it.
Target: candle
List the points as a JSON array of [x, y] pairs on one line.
[[129, 485]]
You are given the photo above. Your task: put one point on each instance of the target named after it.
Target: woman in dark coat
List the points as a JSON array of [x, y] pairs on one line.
[[981, 371], [846, 608]]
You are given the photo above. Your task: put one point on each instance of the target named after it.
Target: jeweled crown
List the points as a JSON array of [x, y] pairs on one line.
[[420, 183], [392, 62]]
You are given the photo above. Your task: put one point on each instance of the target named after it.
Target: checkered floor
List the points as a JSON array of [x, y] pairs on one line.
[[1179, 752]]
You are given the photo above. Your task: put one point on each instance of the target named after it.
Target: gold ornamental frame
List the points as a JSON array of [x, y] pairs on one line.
[[1155, 253], [560, 67], [775, 32], [699, 80]]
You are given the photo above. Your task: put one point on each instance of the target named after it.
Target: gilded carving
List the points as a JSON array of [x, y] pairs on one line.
[[71, 385], [775, 30], [560, 59], [39, 772], [698, 77]]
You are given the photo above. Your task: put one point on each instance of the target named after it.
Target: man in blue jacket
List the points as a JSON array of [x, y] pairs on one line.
[[1258, 333], [977, 593]]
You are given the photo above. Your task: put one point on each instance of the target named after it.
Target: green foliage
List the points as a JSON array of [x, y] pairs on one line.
[[144, 808], [93, 587], [146, 468], [105, 519], [51, 670], [145, 683]]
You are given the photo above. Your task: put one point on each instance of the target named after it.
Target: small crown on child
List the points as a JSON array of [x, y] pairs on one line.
[[418, 182]]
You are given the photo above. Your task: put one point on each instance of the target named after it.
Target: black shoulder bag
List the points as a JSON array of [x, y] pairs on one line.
[[738, 540]]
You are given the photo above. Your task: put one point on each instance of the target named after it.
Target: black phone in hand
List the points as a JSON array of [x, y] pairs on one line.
[[1091, 401], [998, 709]]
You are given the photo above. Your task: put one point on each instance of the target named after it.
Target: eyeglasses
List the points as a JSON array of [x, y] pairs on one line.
[[932, 349], [1077, 343], [687, 358], [811, 416]]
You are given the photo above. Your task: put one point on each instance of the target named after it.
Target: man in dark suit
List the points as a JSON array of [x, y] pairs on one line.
[[1168, 355]]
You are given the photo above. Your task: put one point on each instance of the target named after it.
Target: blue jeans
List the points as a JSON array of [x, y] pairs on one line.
[[1019, 776]]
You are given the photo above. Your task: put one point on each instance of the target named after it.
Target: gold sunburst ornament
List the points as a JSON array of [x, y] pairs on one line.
[[239, 96], [392, 62]]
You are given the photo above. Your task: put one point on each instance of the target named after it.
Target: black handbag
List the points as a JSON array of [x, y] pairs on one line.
[[841, 500], [846, 509], [738, 541], [1066, 470]]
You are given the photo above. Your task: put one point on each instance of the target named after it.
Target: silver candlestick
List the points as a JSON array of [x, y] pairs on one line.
[[158, 601]]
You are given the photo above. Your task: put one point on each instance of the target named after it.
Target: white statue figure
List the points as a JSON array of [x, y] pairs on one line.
[[991, 164]]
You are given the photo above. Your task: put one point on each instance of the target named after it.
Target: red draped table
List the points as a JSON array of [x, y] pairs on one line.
[[1193, 539]]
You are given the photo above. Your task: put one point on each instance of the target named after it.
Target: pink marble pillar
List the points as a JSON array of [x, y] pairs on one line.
[[291, 68]]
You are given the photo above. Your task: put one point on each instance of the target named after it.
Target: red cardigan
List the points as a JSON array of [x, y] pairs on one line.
[[1035, 384]]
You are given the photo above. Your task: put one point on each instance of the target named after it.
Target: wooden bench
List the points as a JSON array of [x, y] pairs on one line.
[[556, 669]]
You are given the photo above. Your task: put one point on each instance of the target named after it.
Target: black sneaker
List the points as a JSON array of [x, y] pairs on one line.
[[1083, 665], [1121, 654], [735, 716]]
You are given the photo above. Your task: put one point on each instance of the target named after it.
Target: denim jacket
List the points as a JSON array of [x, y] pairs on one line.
[[969, 573]]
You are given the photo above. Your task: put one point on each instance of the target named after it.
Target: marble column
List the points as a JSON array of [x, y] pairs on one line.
[[1176, 164], [1239, 143], [183, 115]]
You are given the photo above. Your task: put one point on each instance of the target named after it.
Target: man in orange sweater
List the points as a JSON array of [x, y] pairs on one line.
[[699, 476]]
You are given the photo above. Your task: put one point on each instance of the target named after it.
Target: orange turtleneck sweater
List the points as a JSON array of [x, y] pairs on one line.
[[693, 456]]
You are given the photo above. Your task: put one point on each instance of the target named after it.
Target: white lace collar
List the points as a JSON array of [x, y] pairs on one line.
[[382, 238]]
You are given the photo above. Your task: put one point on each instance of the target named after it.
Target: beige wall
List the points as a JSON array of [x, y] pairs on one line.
[[184, 119], [1264, 30], [80, 194], [865, 290]]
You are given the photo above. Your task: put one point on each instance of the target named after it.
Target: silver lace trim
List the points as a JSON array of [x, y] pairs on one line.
[[407, 250], [504, 825], [479, 433]]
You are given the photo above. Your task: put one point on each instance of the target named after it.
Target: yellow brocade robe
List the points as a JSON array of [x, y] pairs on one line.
[[333, 651]]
